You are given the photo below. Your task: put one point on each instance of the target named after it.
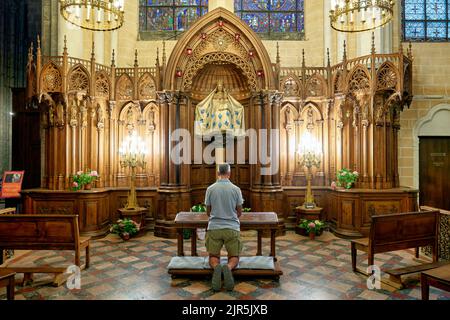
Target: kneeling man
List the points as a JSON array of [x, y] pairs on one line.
[[224, 207]]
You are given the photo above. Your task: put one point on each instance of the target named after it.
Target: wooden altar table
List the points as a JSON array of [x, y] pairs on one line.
[[259, 221]]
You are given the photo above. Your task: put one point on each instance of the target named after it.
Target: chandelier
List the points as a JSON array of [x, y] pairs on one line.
[[96, 15], [360, 15]]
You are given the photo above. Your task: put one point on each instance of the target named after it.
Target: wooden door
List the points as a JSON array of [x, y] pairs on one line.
[[434, 172]]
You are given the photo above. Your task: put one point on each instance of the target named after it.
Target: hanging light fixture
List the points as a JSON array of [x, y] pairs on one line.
[[96, 15], [360, 15]]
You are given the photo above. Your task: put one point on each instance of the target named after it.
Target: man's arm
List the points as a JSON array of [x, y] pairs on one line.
[[239, 211], [208, 210]]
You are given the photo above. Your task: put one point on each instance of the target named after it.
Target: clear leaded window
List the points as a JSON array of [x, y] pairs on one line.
[[426, 20], [168, 18], [273, 19]]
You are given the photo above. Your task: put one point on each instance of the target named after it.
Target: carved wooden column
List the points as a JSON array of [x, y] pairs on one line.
[[275, 99], [173, 193], [112, 143]]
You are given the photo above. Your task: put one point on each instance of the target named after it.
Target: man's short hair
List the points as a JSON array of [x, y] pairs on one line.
[[224, 169]]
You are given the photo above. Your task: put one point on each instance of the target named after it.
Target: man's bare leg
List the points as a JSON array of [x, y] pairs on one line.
[[216, 281], [227, 275], [232, 262], [214, 261]]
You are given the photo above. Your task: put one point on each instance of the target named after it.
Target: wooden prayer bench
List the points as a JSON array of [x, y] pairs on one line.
[[42, 232], [260, 221], [398, 232]]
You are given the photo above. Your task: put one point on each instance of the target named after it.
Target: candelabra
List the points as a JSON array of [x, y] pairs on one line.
[[310, 155], [132, 154]]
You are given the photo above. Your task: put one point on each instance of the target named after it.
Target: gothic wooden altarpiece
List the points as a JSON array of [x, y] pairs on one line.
[[352, 108]]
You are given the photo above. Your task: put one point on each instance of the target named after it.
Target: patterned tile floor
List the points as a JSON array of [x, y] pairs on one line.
[[137, 269]]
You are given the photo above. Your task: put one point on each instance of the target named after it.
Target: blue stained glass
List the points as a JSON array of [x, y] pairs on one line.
[[283, 22], [414, 10], [159, 19], [300, 22], [185, 17], [189, 2], [160, 2], [272, 16], [283, 5], [436, 30], [255, 5], [436, 10], [415, 30], [426, 20], [259, 22]]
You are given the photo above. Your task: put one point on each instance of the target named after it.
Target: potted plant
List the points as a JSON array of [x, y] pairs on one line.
[[346, 178], [201, 233], [246, 209], [125, 228], [84, 179], [312, 227]]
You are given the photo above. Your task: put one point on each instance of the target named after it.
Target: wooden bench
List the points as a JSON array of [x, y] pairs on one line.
[[42, 232], [398, 232], [7, 280], [4, 255], [437, 277]]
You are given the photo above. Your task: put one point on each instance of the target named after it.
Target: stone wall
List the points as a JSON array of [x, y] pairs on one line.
[[20, 22]]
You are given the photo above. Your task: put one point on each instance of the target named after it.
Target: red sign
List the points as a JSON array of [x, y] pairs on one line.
[[11, 184]]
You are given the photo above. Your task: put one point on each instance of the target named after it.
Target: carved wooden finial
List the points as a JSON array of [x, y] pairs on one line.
[[278, 53], [345, 52], [136, 58], [373, 43], [400, 47], [38, 43], [164, 53], [93, 48], [65, 44], [328, 57], [303, 57], [113, 61], [157, 56], [410, 56]]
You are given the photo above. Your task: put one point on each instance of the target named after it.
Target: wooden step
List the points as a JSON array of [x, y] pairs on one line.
[[414, 269]]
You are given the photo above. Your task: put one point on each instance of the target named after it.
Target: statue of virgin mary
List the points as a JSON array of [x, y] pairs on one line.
[[219, 113]]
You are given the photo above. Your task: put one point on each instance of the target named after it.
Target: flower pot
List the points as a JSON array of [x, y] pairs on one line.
[[88, 186], [125, 237], [312, 235]]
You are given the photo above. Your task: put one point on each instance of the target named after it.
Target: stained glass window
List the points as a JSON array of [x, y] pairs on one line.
[[273, 19], [167, 18], [426, 20]]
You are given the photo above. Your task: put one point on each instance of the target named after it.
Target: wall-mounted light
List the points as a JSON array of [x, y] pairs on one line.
[[189, 51], [260, 73]]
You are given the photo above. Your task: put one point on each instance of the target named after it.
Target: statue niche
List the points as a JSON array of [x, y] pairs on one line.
[[219, 113]]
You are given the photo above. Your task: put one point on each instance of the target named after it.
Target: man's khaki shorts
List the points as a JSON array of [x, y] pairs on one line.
[[215, 239]]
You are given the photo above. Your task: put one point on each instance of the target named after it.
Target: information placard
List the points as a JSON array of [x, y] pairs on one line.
[[11, 184]]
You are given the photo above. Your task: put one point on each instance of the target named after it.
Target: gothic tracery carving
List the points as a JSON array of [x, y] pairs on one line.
[[386, 77], [124, 89], [51, 79], [78, 79], [101, 85], [147, 88]]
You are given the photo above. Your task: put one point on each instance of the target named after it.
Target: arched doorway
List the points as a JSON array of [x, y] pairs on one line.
[[432, 157]]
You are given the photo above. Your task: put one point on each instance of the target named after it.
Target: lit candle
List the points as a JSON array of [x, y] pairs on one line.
[[88, 13]]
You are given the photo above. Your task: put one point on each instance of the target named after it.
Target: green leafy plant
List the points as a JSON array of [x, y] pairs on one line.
[[345, 178], [200, 207], [82, 178], [246, 209], [312, 225], [125, 228]]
